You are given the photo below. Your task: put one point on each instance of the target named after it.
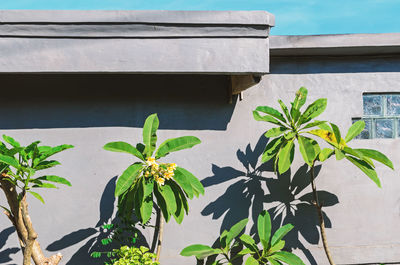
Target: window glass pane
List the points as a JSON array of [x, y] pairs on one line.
[[398, 128], [384, 128], [393, 104], [372, 105], [366, 133]]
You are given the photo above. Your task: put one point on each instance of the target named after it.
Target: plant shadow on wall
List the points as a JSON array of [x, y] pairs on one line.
[[289, 197], [5, 253], [93, 236]]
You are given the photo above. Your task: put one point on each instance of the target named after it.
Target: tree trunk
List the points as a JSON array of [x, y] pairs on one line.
[[19, 217], [160, 236], [318, 206]]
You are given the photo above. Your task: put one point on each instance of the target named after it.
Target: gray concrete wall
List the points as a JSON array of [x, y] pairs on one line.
[[89, 111]]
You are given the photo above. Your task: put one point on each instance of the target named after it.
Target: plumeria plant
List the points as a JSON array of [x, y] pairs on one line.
[[295, 126], [149, 180], [270, 253], [18, 167]]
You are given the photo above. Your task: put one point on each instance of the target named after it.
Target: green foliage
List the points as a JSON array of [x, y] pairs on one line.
[[270, 253], [147, 181], [293, 127], [123, 232], [126, 255], [21, 163]]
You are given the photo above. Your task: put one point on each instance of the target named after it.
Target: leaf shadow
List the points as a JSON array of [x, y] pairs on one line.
[[93, 235], [5, 253], [287, 197]]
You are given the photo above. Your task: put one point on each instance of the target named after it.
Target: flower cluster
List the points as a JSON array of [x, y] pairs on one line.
[[160, 172]]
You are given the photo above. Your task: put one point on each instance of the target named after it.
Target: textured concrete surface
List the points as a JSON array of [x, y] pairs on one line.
[[138, 16], [363, 218], [336, 45], [218, 42]]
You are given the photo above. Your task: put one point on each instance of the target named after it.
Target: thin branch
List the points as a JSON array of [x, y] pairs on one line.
[[318, 206], [160, 236]]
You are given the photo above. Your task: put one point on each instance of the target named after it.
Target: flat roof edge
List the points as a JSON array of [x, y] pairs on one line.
[[138, 16], [340, 44]]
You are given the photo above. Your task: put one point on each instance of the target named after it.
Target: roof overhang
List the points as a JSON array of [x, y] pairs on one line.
[[148, 42], [335, 45]]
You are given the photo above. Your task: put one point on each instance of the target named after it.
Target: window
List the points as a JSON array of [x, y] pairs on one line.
[[381, 116]]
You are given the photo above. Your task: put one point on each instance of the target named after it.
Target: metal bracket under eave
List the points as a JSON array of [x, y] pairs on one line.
[[239, 83]]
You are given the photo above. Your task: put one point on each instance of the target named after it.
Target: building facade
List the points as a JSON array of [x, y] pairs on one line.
[[90, 77]]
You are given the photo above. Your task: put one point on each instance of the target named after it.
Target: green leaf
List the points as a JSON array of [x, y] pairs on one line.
[[146, 207], [184, 183], [376, 155], [326, 127], [251, 261], [176, 144], [29, 151], [277, 247], [124, 148], [11, 161], [266, 118], [339, 154], [275, 132], [162, 204], [235, 231], [288, 258], [280, 233], [286, 156], [150, 134], [295, 115], [285, 110], [336, 132], [309, 149], [366, 168], [45, 185], [222, 238], [313, 110], [300, 99], [11, 141], [325, 154], [127, 178], [271, 111], [264, 228], [249, 242], [273, 262], [271, 149], [313, 124], [359, 155], [197, 187], [49, 151], [55, 179], [200, 251], [245, 252], [354, 130], [169, 198], [6, 210], [37, 196], [46, 164], [179, 214]]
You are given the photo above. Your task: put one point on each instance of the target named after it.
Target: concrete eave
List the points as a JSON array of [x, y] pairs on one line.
[[203, 42], [335, 45]]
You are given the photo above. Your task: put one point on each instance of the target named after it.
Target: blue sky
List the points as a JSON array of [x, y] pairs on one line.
[[293, 17]]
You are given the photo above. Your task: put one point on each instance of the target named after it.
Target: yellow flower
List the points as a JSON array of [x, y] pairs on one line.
[[173, 166], [160, 180], [146, 174], [151, 161], [154, 166], [169, 175]]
